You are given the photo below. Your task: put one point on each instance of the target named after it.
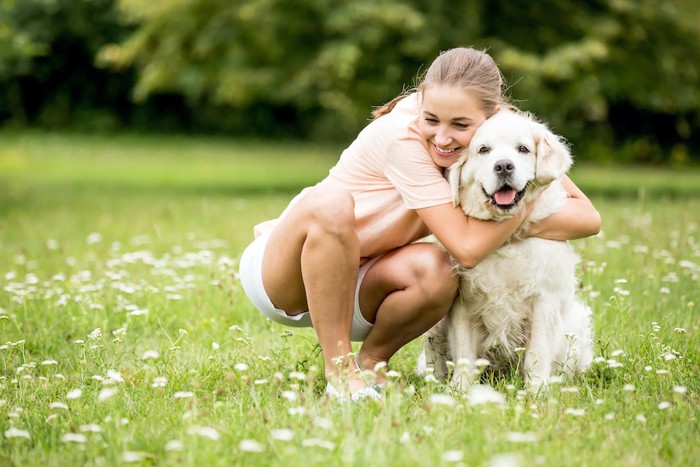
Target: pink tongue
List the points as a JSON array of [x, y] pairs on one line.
[[504, 196]]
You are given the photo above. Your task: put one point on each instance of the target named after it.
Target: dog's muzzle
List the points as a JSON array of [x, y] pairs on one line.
[[505, 197]]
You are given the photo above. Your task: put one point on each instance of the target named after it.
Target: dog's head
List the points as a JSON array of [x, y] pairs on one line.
[[509, 160]]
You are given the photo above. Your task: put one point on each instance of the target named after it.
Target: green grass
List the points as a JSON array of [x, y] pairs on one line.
[[139, 237]]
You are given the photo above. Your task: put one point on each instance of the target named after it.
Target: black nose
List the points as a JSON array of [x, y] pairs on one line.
[[503, 167]]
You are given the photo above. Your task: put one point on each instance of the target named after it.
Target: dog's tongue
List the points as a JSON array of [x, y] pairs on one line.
[[504, 197]]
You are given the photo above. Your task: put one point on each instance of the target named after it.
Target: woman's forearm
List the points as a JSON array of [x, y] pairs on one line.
[[579, 219]]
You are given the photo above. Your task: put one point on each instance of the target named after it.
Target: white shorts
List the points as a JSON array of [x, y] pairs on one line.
[[250, 272]]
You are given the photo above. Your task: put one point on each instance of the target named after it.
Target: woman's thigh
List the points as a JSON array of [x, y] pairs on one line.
[[282, 260]]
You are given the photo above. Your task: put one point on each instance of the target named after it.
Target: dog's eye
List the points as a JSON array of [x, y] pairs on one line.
[[523, 149], [484, 150]]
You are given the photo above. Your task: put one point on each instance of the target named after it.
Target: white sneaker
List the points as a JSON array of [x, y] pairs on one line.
[[362, 394]]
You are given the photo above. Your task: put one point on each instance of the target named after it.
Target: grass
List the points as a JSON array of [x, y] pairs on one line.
[[125, 336]]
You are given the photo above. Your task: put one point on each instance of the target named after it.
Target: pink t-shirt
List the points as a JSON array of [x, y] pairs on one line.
[[390, 174]]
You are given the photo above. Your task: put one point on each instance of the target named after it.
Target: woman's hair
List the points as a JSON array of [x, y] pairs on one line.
[[472, 70]]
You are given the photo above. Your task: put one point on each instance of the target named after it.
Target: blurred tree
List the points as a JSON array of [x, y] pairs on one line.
[[47, 50], [605, 71], [601, 72], [321, 62]]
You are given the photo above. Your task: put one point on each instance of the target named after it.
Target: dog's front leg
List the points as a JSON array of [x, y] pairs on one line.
[[434, 354], [463, 339], [545, 335]]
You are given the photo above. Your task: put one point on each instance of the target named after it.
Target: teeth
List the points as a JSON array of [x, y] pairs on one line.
[[445, 151]]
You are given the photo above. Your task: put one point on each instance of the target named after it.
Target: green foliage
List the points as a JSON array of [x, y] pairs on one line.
[[616, 70], [603, 73], [47, 75]]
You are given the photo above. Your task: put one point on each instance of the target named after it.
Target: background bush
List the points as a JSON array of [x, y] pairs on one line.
[[604, 73]]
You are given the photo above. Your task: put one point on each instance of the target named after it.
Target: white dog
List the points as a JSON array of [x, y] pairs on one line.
[[521, 298]]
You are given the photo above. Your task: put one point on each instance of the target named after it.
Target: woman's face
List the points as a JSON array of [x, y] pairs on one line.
[[449, 116]]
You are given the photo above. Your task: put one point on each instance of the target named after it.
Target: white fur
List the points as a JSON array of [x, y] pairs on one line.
[[519, 304]]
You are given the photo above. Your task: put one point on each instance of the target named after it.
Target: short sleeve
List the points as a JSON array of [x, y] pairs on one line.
[[414, 175]]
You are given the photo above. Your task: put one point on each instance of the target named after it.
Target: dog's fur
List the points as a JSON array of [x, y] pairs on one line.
[[522, 297]]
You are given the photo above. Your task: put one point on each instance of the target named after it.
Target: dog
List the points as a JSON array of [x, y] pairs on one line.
[[518, 306]]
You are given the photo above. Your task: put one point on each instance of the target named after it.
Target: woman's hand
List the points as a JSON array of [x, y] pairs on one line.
[[579, 219]]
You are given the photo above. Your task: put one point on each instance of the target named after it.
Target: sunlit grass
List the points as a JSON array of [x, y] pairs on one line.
[[125, 336]]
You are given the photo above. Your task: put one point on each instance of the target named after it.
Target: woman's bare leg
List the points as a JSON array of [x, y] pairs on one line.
[[311, 263], [405, 293]]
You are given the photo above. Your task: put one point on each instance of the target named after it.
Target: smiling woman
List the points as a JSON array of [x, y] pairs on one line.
[[448, 121], [344, 257]]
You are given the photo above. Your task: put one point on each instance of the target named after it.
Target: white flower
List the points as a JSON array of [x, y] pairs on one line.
[[517, 437], [482, 394], [134, 456], [113, 376], [173, 445], [106, 393], [204, 431], [91, 428], [452, 456], [215, 345], [74, 393], [240, 366], [430, 378], [321, 443], [282, 434], [93, 238], [641, 418], [680, 389], [183, 395], [442, 399], [49, 362], [628, 387], [664, 405], [17, 433], [249, 445], [609, 416], [58, 405], [74, 438], [96, 334], [576, 412], [159, 382], [150, 355], [324, 423], [290, 395]]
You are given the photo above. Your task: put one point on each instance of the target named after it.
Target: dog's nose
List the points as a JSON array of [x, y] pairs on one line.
[[503, 167]]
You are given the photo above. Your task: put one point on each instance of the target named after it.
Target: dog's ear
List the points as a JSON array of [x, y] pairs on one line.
[[553, 158], [454, 176]]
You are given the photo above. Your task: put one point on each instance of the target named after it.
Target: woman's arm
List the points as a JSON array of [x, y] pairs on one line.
[[467, 239], [578, 219]]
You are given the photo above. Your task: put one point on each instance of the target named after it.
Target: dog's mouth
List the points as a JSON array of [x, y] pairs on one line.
[[505, 197]]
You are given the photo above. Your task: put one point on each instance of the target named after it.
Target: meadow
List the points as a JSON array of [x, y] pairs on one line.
[[125, 336]]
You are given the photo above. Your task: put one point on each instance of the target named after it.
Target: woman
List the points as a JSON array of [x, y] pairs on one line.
[[343, 256]]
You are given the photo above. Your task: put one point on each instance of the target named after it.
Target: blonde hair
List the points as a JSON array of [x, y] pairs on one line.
[[471, 70]]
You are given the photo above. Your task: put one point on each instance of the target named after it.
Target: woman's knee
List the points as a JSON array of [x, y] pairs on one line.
[[434, 274], [331, 210]]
